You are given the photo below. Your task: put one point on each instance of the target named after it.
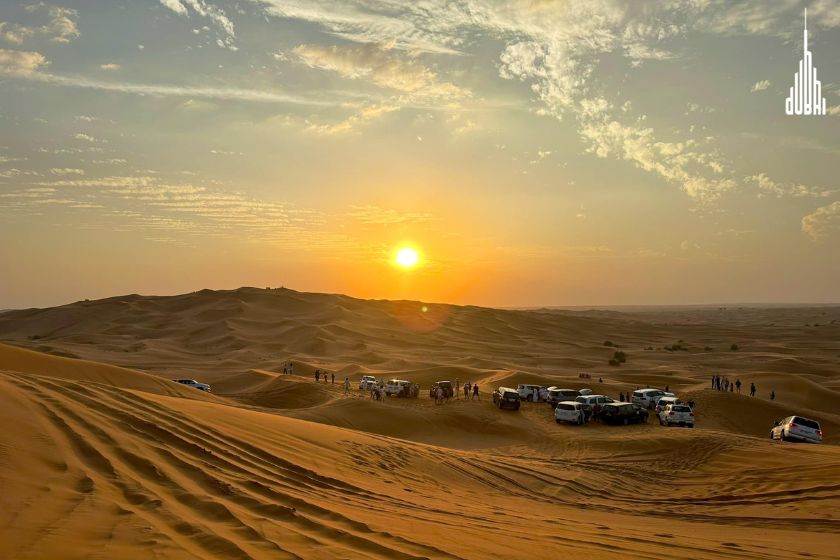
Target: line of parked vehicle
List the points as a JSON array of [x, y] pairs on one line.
[[580, 406]]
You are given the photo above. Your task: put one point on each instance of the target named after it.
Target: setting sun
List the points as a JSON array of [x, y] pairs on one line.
[[407, 257]]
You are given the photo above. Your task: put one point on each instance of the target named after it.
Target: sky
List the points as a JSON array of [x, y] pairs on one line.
[[533, 153]]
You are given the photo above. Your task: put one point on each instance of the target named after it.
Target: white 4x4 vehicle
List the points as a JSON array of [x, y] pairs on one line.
[[648, 397], [797, 427], [368, 382], [677, 415], [569, 411], [193, 383], [529, 392], [662, 402]]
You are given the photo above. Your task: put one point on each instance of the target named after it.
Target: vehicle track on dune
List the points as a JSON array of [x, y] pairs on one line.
[[172, 469]]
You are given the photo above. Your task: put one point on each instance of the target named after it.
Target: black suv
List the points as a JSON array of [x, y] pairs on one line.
[[623, 413], [505, 397]]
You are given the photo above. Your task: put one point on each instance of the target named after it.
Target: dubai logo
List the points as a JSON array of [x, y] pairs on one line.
[[806, 94]]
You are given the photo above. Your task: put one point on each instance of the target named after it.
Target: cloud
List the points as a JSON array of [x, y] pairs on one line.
[[376, 64], [91, 139], [20, 63], [760, 86], [822, 221], [61, 27], [768, 186], [175, 6], [210, 11], [375, 215], [14, 33], [109, 67], [413, 27], [66, 171], [23, 64], [409, 81]]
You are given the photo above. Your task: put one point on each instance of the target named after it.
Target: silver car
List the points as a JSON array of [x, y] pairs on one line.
[[797, 428]]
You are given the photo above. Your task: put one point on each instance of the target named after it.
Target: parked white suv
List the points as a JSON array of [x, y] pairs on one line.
[[193, 383], [401, 388], [569, 411], [647, 397], [533, 393], [368, 382], [798, 428], [662, 402], [677, 415], [587, 403]]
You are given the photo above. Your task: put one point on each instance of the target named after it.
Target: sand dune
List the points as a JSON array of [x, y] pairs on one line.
[[117, 461]]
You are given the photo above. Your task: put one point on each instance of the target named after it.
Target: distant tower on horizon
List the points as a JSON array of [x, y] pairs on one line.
[[806, 94]]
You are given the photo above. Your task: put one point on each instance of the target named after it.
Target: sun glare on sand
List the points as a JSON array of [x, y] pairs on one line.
[[407, 257]]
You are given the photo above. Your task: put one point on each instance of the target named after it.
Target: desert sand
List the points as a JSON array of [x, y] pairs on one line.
[[102, 456]]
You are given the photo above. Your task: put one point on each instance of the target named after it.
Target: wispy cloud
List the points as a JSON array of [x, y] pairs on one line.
[[760, 86], [376, 215], [15, 33], [20, 63], [26, 65], [768, 186], [823, 221], [408, 80], [205, 9], [61, 26]]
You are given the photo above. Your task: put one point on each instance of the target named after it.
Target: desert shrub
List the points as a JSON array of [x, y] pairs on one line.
[[734, 347], [620, 356], [614, 362], [708, 348], [608, 343]]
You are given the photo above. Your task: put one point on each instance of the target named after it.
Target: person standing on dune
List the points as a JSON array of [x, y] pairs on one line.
[[333, 378], [317, 375], [476, 395], [752, 389], [738, 385], [772, 395], [346, 384], [467, 391]]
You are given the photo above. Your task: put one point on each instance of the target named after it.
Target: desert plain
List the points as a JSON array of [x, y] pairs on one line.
[[103, 456]]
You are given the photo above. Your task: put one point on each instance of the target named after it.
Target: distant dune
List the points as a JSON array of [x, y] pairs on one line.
[[103, 456]]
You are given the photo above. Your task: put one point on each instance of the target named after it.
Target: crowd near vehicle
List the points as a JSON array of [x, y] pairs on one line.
[[532, 393], [648, 397], [505, 397], [448, 390], [401, 388], [569, 411], [623, 413], [662, 402], [797, 428], [193, 383], [368, 382], [677, 415], [555, 395]]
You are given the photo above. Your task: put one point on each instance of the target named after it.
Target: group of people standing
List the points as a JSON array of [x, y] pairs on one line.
[[319, 374], [723, 384], [470, 388]]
